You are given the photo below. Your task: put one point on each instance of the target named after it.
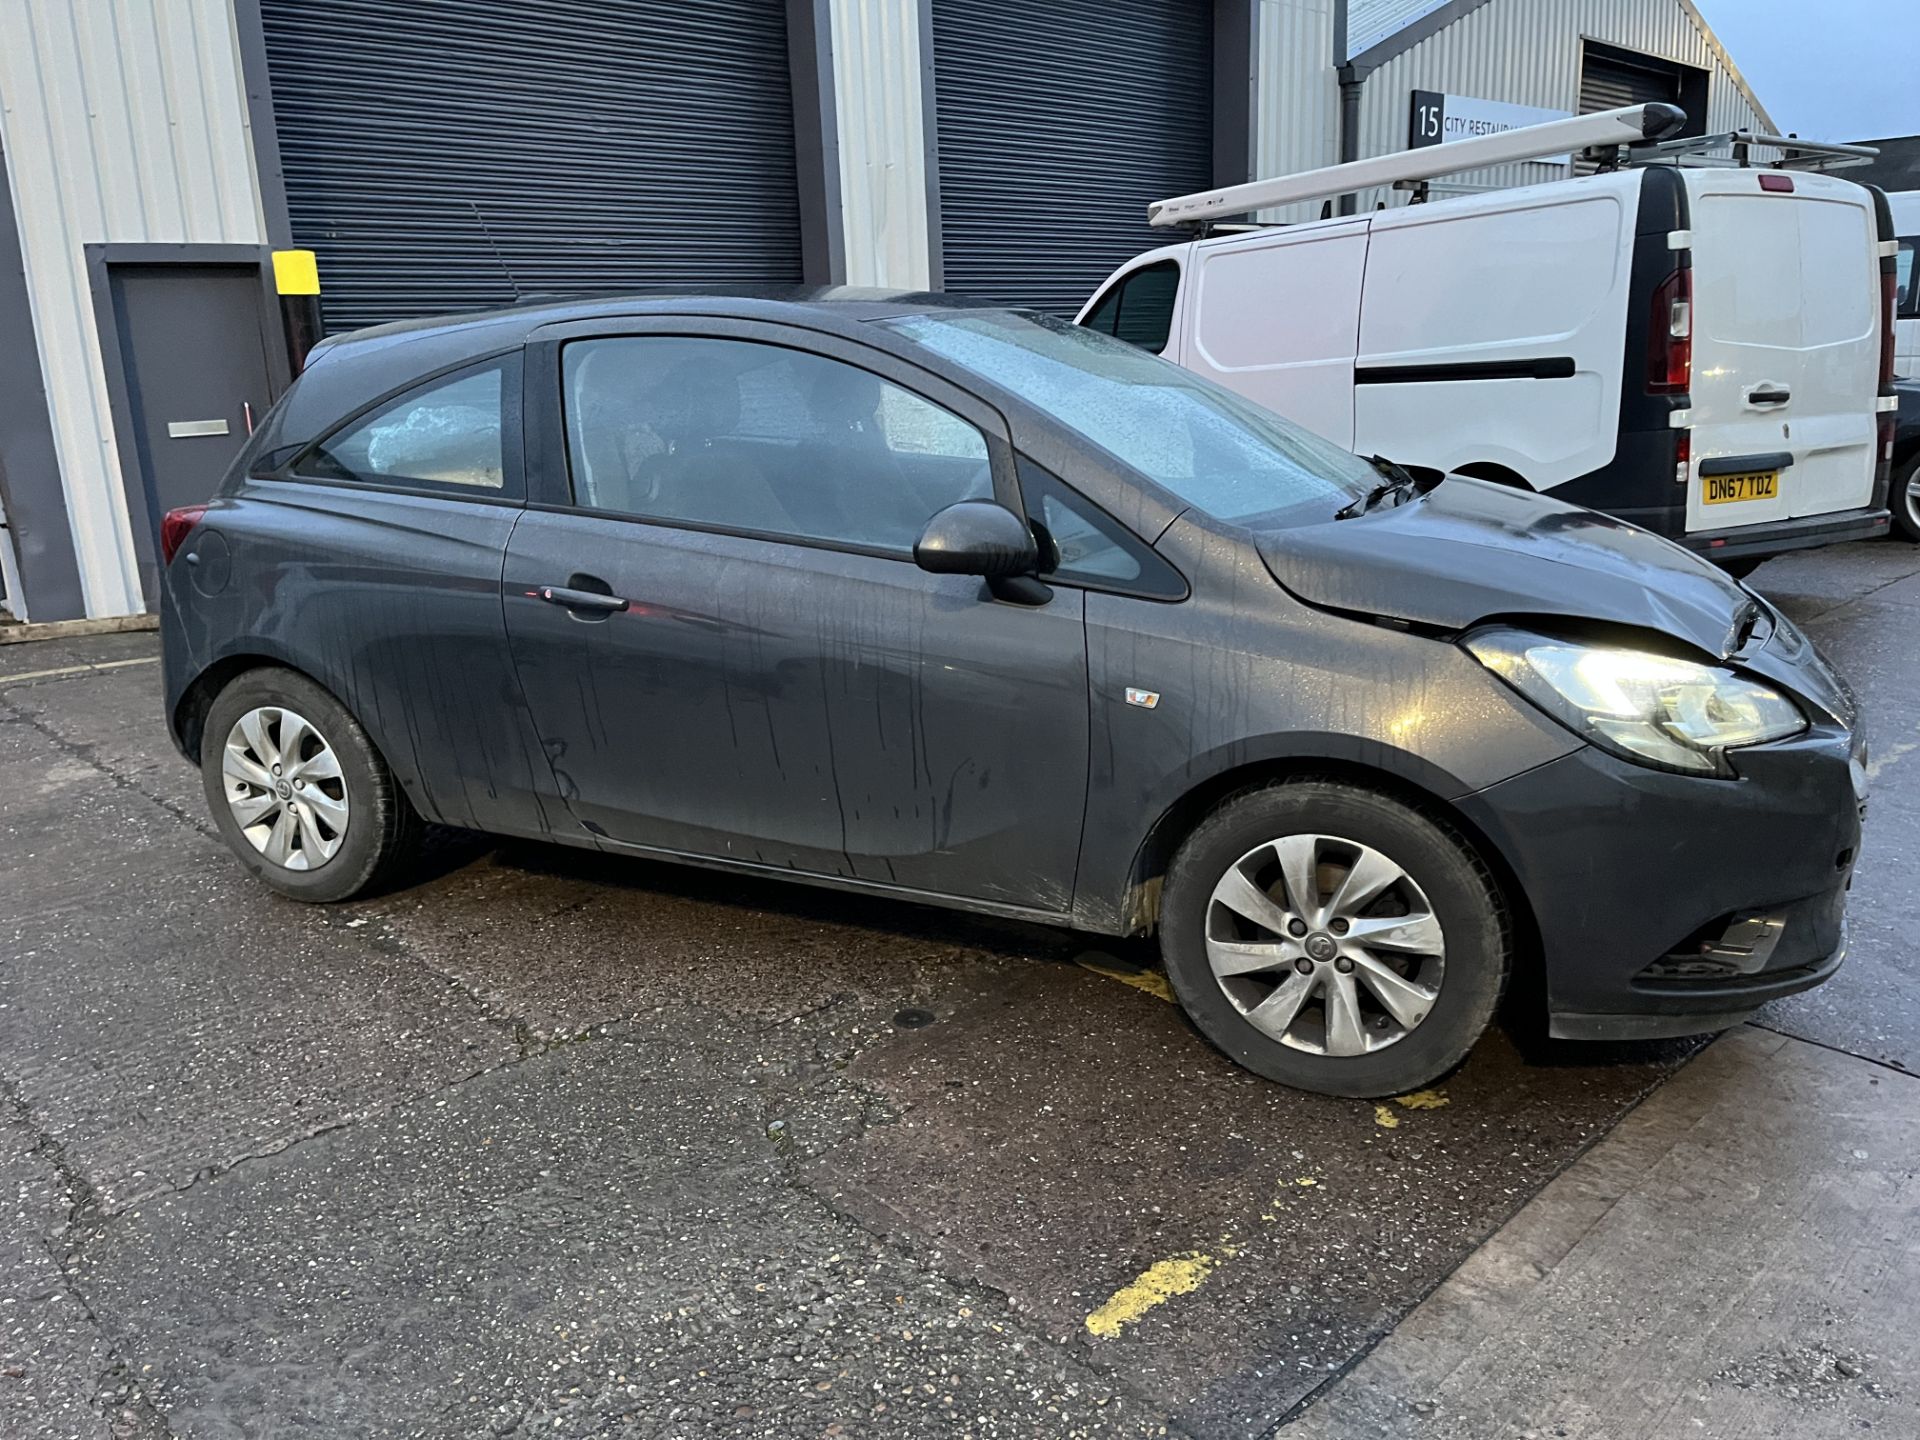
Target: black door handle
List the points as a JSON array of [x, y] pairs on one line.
[[1769, 395], [588, 600]]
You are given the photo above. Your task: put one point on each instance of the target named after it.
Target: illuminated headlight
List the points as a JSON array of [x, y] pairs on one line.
[[1648, 708]]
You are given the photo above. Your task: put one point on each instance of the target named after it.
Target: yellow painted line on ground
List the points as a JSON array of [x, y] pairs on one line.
[[1152, 982], [1155, 1285], [1385, 1118], [66, 670], [1423, 1100]]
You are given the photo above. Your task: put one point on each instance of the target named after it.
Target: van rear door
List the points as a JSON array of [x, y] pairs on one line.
[[1786, 346]]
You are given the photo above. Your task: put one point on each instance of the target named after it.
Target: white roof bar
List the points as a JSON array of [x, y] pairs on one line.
[[1795, 153], [1629, 125]]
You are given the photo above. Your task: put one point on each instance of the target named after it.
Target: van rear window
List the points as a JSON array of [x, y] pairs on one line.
[[1774, 270]]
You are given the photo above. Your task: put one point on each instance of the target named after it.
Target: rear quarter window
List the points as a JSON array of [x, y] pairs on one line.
[[449, 433]]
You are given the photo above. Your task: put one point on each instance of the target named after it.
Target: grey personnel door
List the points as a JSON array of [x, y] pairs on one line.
[[188, 349]]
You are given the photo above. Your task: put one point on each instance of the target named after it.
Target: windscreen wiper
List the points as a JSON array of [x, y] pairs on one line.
[[1396, 489]]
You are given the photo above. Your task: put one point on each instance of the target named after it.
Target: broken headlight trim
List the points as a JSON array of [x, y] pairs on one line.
[[1652, 709]]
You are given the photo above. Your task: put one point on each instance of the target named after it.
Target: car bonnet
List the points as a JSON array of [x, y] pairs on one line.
[[1469, 551]]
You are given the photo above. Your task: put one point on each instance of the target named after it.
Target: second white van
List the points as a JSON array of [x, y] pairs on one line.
[[1701, 350], [1904, 206]]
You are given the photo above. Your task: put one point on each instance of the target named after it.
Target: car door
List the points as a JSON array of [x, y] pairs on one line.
[[724, 641]]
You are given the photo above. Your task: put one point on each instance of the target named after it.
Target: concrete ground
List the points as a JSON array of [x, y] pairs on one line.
[[545, 1143]]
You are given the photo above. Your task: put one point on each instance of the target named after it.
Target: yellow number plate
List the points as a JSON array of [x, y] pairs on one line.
[[1725, 489]]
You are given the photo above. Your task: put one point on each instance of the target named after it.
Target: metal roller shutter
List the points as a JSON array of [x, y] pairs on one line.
[[1058, 124], [1607, 83], [445, 155]]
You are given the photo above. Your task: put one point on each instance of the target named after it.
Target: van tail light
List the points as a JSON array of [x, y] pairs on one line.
[[175, 526], [1889, 299], [1883, 450], [1683, 458], [1670, 336]]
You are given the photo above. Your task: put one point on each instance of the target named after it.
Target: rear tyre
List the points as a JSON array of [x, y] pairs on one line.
[[299, 792], [1334, 939], [1903, 499]]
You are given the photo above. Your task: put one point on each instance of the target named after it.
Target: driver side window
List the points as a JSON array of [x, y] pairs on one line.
[[749, 436]]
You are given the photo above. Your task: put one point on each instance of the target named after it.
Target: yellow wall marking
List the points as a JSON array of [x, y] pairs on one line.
[[1422, 1100], [1155, 1285], [1153, 982], [295, 272], [1385, 1118]]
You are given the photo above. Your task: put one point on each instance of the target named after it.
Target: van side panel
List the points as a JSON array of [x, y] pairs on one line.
[[1490, 330], [1274, 316]]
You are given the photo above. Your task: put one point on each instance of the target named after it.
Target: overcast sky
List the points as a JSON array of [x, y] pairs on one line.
[[1827, 69]]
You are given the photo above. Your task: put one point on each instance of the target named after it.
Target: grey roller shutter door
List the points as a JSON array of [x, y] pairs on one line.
[[1607, 83], [446, 155], [1057, 125]]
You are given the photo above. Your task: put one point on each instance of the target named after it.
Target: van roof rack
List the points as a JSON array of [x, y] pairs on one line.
[[1795, 153], [1631, 135], [1609, 129]]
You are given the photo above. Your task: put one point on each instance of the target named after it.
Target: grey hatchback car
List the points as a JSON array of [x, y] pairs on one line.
[[973, 607]]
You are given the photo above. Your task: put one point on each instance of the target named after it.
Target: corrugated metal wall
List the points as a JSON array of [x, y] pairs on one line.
[[1528, 53], [1371, 21], [124, 121], [448, 155], [1297, 126], [1058, 125], [879, 108]]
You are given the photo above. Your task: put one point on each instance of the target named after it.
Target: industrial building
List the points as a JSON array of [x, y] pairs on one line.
[[441, 155]]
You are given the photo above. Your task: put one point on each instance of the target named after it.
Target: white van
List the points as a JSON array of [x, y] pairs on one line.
[[1905, 209], [1695, 349]]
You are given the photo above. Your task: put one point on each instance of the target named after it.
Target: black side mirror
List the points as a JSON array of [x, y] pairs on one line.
[[983, 537]]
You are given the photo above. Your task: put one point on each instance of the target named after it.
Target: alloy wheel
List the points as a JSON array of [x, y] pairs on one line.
[[285, 788], [1325, 944]]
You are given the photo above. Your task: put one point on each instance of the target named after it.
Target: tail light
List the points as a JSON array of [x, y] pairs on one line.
[[1683, 458], [1670, 336], [1889, 299], [175, 526], [1883, 451]]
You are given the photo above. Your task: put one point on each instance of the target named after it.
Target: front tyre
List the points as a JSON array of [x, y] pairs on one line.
[[298, 791], [1334, 939]]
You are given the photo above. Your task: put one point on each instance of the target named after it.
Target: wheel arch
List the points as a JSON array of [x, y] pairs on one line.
[[188, 718], [1177, 821]]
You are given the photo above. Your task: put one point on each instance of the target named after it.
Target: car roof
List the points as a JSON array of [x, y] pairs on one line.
[[487, 330], [348, 371]]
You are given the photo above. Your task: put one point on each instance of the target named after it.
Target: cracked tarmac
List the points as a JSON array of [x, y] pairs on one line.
[[547, 1142]]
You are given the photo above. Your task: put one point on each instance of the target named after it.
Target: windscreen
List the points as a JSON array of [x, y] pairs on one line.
[[1206, 445]]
